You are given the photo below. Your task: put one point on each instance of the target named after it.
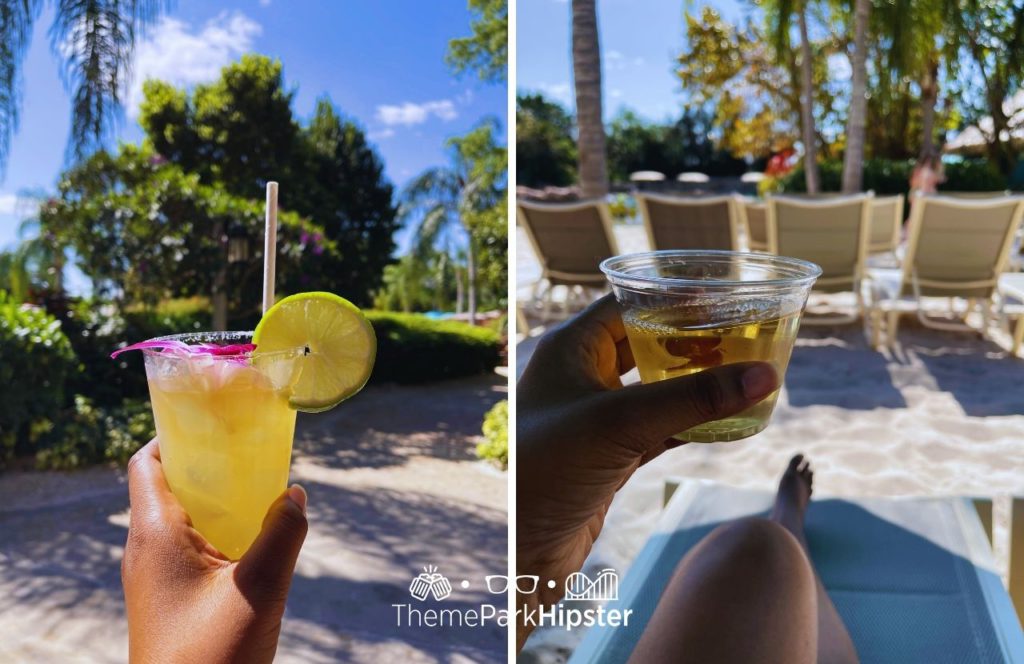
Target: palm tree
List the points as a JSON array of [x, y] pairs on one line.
[[586, 67], [853, 159], [94, 40], [780, 16], [440, 200]]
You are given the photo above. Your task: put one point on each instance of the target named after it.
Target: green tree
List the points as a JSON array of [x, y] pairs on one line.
[[486, 50], [732, 71], [545, 149], [421, 283], [780, 15], [462, 205], [239, 131], [671, 148], [94, 40], [988, 37], [143, 230]]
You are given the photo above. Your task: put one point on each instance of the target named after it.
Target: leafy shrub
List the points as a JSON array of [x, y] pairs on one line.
[[889, 176], [495, 443], [85, 434], [36, 361], [416, 349], [96, 329]]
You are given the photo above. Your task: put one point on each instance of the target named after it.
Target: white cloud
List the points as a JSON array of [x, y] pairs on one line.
[[8, 203], [464, 97], [409, 113], [557, 91], [614, 60], [173, 52], [616, 93], [264, 3], [387, 132]]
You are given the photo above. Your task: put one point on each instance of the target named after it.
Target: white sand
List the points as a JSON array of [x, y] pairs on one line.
[[941, 415]]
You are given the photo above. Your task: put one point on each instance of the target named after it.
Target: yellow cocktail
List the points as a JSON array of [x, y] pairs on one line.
[[689, 311], [225, 405], [225, 431]]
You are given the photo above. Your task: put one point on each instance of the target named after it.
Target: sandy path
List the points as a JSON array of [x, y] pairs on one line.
[[393, 486]]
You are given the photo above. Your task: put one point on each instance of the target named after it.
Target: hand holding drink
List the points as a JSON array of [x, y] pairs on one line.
[[688, 311], [225, 402]]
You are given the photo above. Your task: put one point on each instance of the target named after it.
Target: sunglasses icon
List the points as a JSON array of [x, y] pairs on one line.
[[497, 584]]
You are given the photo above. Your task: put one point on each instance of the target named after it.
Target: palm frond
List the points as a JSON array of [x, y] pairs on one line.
[[95, 39], [16, 20]]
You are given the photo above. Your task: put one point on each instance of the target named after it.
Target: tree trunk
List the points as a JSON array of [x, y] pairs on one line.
[[459, 295], [586, 67], [220, 300], [807, 107], [853, 159], [471, 278], [929, 95]]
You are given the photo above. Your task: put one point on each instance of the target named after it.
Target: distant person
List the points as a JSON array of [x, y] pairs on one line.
[[928, 173], [748, 591]]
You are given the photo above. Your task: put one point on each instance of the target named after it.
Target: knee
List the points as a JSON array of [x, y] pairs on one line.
[[762, 549]]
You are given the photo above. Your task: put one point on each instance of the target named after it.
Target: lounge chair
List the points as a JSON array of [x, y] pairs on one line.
[[831, 232], [675, 222], [913, 579], [753, 216], [886, 222], [956, 249], [1011, 287], [570, 241]]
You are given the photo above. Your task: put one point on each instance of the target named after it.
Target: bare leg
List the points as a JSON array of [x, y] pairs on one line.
[[748, 593], [834, 643]]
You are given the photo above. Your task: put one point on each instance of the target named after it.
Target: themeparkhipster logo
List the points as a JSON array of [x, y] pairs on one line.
[[430, 588]]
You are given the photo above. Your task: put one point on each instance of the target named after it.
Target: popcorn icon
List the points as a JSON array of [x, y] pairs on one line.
[[430, 582]]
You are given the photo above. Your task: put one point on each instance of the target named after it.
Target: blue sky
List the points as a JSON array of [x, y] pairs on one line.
[[382, 62], [639, 41]]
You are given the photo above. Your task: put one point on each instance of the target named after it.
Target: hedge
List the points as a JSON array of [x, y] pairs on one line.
[[412, 348], [36, 361], [888, 176]]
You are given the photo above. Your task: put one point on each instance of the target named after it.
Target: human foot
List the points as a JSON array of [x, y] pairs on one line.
[[793, 495]]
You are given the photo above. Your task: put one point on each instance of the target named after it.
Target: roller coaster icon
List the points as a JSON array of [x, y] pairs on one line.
[[579, 586]]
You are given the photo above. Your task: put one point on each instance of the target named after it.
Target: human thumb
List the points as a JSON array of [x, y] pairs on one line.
[[264, 573], [647, 414]]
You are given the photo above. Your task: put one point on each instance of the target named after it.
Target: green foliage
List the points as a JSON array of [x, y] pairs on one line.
[[36, 361], [672, 148], [888, 176], [545, 147], [97, 328], [463, 206], [495, 430], [486, 50], [420, 283], [416, 349], [733, 71], [239, 131], [85, 434], [146, 230]]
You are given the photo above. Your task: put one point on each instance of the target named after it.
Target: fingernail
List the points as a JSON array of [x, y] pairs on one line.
[[297, 495], [758, 381]]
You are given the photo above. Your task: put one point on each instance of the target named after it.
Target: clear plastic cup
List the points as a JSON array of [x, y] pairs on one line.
[[225, 431], [686, 311]]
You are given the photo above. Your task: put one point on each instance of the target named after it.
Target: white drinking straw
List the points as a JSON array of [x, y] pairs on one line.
[[270, 247]]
